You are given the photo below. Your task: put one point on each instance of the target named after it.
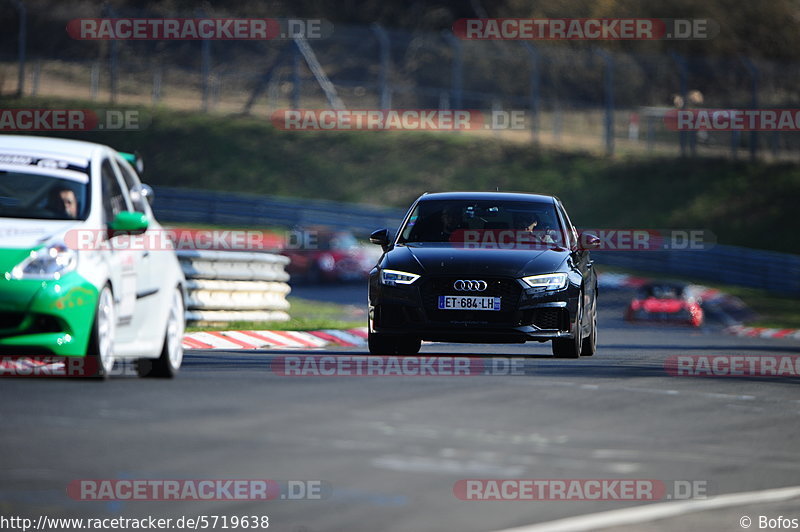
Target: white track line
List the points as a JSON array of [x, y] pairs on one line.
[[653, 512]]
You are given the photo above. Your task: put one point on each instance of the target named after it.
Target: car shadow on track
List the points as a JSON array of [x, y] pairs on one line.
[[494, 365]]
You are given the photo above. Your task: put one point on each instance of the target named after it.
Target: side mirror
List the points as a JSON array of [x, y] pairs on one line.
[[380, 237], [589, 241], [128, 223]]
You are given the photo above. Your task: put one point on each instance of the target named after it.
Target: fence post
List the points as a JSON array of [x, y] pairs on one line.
[[157, 79], [754, 78], [37, 73], [608, 59], [683, 75], [457, 81], [535, 85], [385, 57], [113, 58], [295, 76], [22, 43], [205, 65]]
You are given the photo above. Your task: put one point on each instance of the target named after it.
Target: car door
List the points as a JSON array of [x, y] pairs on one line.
[[123, 256], [150, 266], [581, 260]]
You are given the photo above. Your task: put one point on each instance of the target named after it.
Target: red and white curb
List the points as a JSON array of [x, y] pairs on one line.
[[276, 339], [763, 332]]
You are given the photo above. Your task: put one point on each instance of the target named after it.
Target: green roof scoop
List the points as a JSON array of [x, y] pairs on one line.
[[135, 159]]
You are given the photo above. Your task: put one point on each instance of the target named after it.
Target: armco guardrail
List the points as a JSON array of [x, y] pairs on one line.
[[186, 205], [766, 270], [224, 286]]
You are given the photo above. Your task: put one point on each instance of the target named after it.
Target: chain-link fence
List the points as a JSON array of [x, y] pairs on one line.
[[574, 95]]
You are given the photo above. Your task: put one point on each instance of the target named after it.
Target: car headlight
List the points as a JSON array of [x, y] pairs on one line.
[[550, 281], [50, 262], [394, 277]]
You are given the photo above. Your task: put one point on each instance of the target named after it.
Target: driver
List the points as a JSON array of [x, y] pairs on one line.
[[63, 201], [531, 222], [451, 222]]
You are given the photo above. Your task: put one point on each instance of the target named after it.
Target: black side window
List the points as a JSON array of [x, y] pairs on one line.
[[113, 198], [571, 233], [131, 182]]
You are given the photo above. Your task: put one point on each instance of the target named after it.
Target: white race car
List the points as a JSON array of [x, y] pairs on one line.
[[77, 279]]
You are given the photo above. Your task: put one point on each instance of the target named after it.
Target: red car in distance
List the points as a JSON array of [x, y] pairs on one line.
[[665, 302], [329, 256]]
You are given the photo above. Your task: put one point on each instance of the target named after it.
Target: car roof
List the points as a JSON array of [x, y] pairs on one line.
[[55, 146], [490, 196]]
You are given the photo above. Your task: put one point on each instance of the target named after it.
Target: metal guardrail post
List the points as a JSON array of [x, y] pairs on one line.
[[296, 79], [683, 74], [608, 59], [754, 78], [457, 76], [385, 58], [205, 66], [535, 61], [22, 43], [113, 58]]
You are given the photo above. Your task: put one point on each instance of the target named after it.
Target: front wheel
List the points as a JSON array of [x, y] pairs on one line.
[[101, 342], [589, 346], [169, 362], [571, 347]]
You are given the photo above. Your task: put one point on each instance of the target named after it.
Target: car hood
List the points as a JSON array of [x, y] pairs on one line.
[[449, 260], [22, 233]]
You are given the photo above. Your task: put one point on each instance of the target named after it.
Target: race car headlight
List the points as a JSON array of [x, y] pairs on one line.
[[394, 277], [551, 281], [50, 262]]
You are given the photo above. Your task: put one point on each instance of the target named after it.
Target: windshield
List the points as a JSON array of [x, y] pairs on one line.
[[43, 189], [485, 223]]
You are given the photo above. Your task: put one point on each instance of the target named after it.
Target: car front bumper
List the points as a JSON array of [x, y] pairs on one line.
[[46, 317], [526, 314]]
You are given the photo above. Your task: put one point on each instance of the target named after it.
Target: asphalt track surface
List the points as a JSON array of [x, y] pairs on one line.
[[392, 448]]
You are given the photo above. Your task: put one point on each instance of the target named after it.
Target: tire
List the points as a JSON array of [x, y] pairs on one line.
[[571, 347], [409, 346], [100, 353], [168, 363], [589, 346], [382, 344]]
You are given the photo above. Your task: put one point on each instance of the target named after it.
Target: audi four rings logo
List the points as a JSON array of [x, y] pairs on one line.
[[470, 286]]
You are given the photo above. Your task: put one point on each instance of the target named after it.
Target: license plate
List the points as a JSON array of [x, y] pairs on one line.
[[468, 303]]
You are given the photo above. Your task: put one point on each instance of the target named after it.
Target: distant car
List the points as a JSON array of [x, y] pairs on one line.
[[72, 284], [484, 267], [330, 256], [665, 302]]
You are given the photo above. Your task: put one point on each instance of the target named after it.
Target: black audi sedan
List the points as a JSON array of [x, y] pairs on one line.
[[484, 267]]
